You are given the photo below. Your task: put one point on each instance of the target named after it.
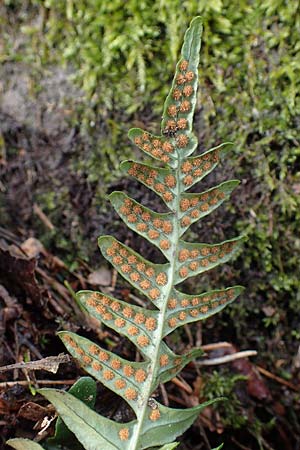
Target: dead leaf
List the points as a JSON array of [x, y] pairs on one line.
[[100, 277], [32, 411], [17, 274], [32, 247]]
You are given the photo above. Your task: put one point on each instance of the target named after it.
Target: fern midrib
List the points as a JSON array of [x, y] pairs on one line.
[[134, 444]]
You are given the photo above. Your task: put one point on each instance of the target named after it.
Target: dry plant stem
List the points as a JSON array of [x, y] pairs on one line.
[[280, 380], [6, 384], [42, 216], [226, 358], [182, 384], [50, 364], [216, 346]]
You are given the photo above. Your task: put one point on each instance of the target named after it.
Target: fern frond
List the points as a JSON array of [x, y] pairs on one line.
[[155, 424]]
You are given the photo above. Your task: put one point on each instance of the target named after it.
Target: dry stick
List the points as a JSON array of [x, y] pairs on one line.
[[182, 384], [55, 284], [37, 210], [164, 394], [280, 380], [239, 444], [50, 364], [216, 346], [177, 399], [199, 334], [6, 384], [189, 335], [226, 358]]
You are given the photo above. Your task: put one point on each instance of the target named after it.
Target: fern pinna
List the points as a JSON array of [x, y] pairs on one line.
[[155, 424]]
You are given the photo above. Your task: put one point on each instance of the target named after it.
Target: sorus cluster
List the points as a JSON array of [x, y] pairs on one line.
[[195, 259], [189, 308], [193, 169], [128, 318], [156, 146], [152, 225], [138, 271], [159, 180], [180, 104], [195, 205]]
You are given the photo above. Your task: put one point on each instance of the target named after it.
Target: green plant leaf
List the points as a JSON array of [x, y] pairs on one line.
[[184, 309], [160, 180], [84, 389], [170, 446], [199, 258], [147, 277], [153, 226], [24, 444], [124, 377], [94, 431], [122, 317], [164, 424]]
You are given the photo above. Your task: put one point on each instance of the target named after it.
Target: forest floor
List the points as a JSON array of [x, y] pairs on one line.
[[43, 199]]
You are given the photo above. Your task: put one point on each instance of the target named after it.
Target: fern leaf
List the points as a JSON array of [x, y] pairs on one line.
[[24, 444], [163, 424], [155, 424], [93, 431]]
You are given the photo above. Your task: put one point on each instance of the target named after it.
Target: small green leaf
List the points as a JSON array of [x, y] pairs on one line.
[[165, 424], [158, 147], [85, 390], [94, 431], [156, 227], [199, 258], [145, 276], [171, 364], [138, 324], [218, 448], [159, 180], [170, 446], [125, 378], [184, 85], [24, 444], [195, 206], [184, 309]]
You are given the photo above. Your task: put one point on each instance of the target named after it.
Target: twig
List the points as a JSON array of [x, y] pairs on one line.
[[41, 215], [226, 358], [50, 364], [63, 292], [137, 300], [280, 380], [182, 385], [6, 384], [189, 335], [215, 346], [177, 399], [204, 435], [164, 394], [199, 334], [239, 444]]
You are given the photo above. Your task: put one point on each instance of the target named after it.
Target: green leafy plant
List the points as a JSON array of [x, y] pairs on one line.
[[146, 327]]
